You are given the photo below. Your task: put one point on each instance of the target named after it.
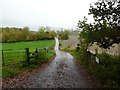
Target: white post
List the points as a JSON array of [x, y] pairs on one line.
[[118, 49]]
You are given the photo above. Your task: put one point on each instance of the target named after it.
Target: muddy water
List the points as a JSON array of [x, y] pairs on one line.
[[61, 73]]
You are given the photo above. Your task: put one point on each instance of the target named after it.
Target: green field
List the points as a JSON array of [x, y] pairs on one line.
[[15, 55], [32, 44], [15, 52]]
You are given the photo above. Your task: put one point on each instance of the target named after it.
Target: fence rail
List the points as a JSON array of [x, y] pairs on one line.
[[12, 56]]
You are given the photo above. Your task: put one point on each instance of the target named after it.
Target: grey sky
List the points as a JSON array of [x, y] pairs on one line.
[[35, 13]]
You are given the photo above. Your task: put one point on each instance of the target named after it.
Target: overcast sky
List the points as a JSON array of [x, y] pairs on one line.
[[35, 13]]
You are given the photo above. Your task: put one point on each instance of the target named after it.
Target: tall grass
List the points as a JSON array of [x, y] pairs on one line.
[[108, 70]]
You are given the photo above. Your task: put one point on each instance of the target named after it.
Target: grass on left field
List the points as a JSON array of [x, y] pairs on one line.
[[32, 44], [16, 57]]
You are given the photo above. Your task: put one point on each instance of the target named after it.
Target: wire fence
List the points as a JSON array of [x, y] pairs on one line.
[[16, 56], [12, 56]]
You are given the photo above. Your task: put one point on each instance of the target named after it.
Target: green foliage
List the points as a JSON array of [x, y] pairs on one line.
[[67, 49], [106, 11], [105, 30], [43, 56], [64, 35], [10, 35], [108, 71], [40, 58], [43, 34], [87, 33]]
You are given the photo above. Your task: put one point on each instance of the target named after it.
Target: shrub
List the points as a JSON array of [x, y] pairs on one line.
[[108, 70], [64, 35], [41, 57]]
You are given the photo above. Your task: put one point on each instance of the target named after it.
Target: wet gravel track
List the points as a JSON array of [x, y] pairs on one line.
[[62, 72]]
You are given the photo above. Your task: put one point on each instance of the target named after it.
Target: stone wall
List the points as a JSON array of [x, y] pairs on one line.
[[115, 50]]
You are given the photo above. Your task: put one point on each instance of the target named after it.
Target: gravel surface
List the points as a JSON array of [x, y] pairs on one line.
[[62, 72]]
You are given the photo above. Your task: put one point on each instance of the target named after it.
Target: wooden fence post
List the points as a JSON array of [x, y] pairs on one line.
[[27, 56], [3, 63], [36, 50]]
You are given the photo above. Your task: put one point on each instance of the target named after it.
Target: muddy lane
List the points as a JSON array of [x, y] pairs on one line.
[[62, 72]]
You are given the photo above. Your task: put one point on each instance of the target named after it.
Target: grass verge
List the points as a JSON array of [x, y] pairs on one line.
[[107, 72]]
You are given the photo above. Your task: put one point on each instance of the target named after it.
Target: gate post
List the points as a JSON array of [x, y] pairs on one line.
[[27, 56], [3, 63]]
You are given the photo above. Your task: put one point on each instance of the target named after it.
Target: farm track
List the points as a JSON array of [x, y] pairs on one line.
[[62, 72]]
